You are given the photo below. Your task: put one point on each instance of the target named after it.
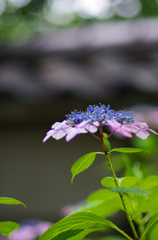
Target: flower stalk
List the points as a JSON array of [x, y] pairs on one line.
[[121, 195]]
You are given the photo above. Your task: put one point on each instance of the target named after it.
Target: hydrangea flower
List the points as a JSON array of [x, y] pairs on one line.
[[94, 118], [30, 230]]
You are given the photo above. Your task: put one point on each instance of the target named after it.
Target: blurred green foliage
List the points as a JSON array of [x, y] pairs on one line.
[[22, 20]]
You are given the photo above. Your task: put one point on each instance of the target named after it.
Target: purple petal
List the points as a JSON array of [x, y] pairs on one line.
[[71, 135], [56, 125], [59, 130], [142, 125], [120, 128], [74, 132], [82, 124], [59, 134], [49, 134]]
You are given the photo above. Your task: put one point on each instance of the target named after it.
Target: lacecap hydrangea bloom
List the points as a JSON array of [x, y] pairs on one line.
[[95, 118]]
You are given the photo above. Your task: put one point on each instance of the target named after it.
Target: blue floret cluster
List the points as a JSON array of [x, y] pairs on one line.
[[99, 113]]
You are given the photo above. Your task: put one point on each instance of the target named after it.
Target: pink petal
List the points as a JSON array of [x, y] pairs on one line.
[[91, 128], [124, 132], [114, 124], [130, 127], [142, 134], [142, 125], [151, 130], [97, 123]]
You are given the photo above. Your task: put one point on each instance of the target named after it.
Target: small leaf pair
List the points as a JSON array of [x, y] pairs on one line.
[[86, 161]]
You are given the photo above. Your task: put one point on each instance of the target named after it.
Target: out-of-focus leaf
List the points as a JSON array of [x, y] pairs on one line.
[[137, 172], [7, 227], [11, 201], [154, 232], [128, 150], [150, 223], [111, 202], [150, 204], [128, 181], [111, 238], [149, 182], [102, 194], [76, 234], [86, 206]]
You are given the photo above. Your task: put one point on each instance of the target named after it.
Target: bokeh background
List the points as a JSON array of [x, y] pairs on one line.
[[57, 56]]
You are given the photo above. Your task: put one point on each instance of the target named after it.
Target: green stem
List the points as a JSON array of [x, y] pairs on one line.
[[121, 195]]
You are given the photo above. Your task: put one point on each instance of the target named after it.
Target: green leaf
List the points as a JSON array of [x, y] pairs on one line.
[[150, 223], [150, 204], [154, 232], [7, 227], [72, 222], [111, 202], [11, 201], [84, 233], [128, 150], [83, 163], [86, 206], [124, 182], [131, 190], [77, 234], [75, 222], [102, 195], [111, 238], [108, 182], [127, 181]]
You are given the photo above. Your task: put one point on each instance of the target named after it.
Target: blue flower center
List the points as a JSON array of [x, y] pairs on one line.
[[99, 113]]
